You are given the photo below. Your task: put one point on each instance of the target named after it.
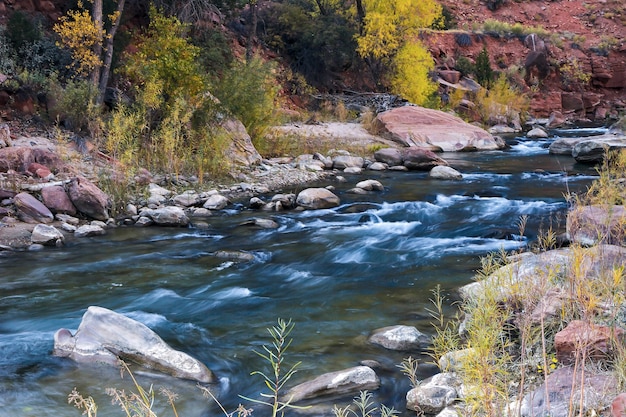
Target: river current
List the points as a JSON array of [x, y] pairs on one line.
[[338, 274]]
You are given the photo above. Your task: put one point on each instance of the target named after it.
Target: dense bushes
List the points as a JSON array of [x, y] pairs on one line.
[[316, 45]]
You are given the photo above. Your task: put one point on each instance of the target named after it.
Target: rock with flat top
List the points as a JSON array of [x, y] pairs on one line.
[[433, 130], [420, 159], [593, 150]]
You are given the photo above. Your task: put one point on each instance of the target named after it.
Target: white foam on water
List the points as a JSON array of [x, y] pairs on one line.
[[149, 319], [232, 293], [223, 265], [532, 147], [485, 176]]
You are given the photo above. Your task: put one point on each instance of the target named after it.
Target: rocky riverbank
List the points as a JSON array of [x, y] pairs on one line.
[[53, 190]]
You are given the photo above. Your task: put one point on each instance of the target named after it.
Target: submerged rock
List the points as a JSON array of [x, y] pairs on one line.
[[104, 336]]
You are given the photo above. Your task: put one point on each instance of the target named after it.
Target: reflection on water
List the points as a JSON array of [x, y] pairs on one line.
[[338, 274]]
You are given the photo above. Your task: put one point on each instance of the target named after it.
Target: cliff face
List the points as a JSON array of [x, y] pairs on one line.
[[583, 72], [585, 50]]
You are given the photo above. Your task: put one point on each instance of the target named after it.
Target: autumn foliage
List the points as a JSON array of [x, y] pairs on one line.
[[390, 32]]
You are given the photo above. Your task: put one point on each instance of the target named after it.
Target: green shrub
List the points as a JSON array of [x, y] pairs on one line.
[[73, 105], [7, 54], [465, 66], [21, 31], [316, 45], [170, 124], [501, 101], [249, 91], [483, 71]]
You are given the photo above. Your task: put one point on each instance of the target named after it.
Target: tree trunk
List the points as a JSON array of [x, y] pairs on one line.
[[360, 12], [108, 57], [320, 5], [252, 32], [96, 15]]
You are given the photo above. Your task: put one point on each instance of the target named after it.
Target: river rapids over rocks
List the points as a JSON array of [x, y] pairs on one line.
[[337, 273]]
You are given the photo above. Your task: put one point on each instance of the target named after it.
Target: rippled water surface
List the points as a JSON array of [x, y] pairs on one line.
[[339, 274]]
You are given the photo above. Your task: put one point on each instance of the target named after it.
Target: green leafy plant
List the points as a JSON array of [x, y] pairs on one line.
[[409, 369], [482, 69], [363, 406], [276, 380], [249, 91]]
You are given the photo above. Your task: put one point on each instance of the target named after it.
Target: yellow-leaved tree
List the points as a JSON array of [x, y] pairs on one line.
[[389, 34], [91, 46], [411, 67], [82, 37]]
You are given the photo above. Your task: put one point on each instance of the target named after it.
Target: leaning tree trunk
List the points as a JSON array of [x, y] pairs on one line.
[[108, 57], [252, 31], [360, 12], [96, 15]]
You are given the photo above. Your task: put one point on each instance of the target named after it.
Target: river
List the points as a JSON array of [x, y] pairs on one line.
[[338, 274]]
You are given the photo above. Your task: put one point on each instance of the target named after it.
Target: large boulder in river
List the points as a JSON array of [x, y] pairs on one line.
[[88, 198], [389, 156], [592, 151], [104, 336], [31, 210], [317, 198], [347, 381], [565, 146], [433, 129]]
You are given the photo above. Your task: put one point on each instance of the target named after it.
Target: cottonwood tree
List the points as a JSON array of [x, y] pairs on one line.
[[388, 35], [90, 44]]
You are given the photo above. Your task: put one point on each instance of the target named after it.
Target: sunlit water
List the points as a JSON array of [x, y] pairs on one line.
[[339, 274]]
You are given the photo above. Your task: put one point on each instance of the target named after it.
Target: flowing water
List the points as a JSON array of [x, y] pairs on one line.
[[339, 274]]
